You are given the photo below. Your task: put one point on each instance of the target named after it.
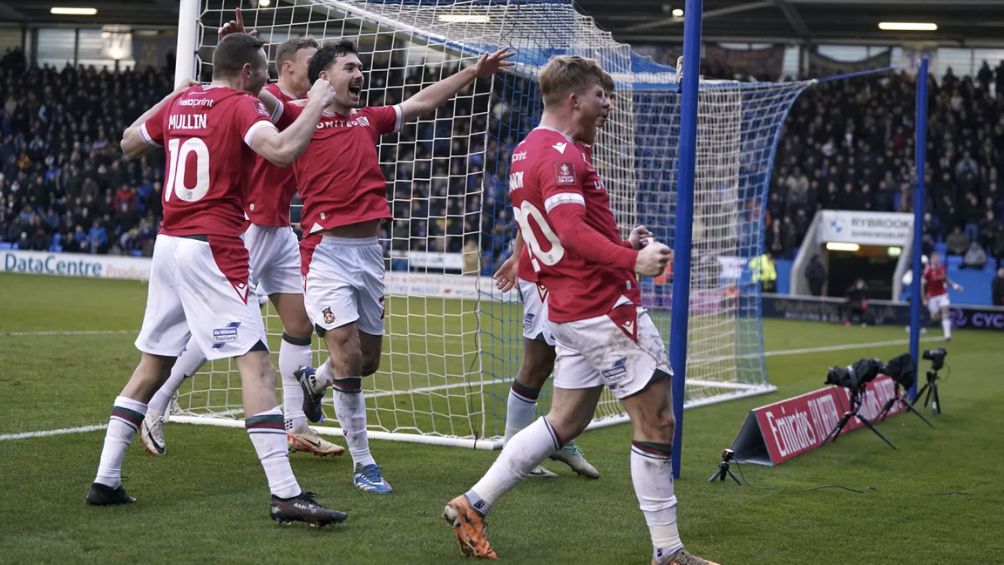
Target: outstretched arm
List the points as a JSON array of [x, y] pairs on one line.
[[434, 96], [133, 143]]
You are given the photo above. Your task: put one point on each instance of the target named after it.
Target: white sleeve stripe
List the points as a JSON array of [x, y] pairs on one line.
[[146, 136], [400, 117], [277, 113], [564, 198], [249, 135]]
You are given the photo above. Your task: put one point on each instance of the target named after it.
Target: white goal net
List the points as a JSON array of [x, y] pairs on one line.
[[453, 343]]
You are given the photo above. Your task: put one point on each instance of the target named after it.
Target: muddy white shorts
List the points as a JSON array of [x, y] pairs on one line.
[[275, 259], [621, 350], [344, 284], [936, 303], [535, 323], [200, 290]]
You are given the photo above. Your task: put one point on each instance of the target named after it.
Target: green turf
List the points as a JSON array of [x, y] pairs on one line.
[[935, 500]]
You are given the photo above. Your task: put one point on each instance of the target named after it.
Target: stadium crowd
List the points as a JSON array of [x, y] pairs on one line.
[[847, 144]]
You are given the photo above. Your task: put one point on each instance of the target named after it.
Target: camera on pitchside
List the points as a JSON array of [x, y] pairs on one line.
[[856, 375], [936, 357]]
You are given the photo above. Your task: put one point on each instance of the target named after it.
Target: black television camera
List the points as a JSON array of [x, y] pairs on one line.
[[856, 375], [936, 357]]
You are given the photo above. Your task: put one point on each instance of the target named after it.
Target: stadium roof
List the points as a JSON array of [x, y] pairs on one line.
[[971, 23]]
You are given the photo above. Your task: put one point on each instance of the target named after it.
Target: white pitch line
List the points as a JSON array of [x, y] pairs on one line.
[[47, 433], [842, 347], [65, 333]]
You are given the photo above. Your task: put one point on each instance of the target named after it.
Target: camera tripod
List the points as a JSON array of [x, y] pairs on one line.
[[931, 388], [723, 468], [906, 405], [857, 399]]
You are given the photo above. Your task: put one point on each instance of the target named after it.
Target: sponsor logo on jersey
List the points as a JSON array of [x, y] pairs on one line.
[[521, 156], [560, 147], [329, 316], [564, 173], [224, 335]]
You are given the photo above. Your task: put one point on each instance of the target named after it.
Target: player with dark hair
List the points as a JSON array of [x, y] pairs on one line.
[[199, 279], [344, 203], [275, 267], [603, 336]]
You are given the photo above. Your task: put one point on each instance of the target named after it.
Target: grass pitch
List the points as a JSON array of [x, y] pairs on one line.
[[66, 350]]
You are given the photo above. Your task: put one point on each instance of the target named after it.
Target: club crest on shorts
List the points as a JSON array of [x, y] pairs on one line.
[[329, 316]]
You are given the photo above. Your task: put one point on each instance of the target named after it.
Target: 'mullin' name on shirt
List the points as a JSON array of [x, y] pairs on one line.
[[187, 121]]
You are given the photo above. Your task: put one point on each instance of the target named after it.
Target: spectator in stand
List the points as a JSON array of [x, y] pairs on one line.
[[975, 257], [957, 242], [997, 286]]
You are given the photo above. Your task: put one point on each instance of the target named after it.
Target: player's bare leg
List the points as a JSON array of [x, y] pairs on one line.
[[571, 411], [651, 412], [294, 353], [353, 355], [127, 416], [946, 323]]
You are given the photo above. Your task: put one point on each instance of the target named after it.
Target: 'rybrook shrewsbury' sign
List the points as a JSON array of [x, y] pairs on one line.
[[777, 432], [865, 228]]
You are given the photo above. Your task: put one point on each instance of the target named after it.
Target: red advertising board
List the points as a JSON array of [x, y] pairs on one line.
[[777, 432]]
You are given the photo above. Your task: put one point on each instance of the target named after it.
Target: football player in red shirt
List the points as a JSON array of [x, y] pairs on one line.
[[275, 268], [344, 203], [538, 340], [199, 279], [604, 338], [934, 284]]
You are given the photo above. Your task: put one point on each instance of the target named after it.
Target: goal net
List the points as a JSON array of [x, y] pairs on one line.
[[453, 343]]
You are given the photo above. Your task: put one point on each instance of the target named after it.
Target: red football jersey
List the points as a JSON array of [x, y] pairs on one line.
[[524, 269], [271, 188], [207, 130], [935, 279], [339, 175], [548, 171]]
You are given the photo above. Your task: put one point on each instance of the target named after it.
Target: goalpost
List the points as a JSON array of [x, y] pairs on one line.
[[453, 343]]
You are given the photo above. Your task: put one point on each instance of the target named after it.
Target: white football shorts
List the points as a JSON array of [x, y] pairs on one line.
[[344, 284], [190, 296], [536, 326], [275, 259], [621, 350], [936, 303]]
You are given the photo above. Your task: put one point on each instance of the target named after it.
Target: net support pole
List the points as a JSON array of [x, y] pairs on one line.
[[920, 156], [187, 49], [682, 237]]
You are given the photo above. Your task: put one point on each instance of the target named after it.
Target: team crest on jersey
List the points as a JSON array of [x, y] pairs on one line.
[[329, 316], [564, 173]]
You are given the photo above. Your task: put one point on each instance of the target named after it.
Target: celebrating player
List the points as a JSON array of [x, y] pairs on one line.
[[344, 203], [935, 293], [538, 341], [275, 266], [602, 335], [199, 276]]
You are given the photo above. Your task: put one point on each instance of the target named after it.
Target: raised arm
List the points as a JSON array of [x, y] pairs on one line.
[[434, 96], [282, 148], [133, 143]]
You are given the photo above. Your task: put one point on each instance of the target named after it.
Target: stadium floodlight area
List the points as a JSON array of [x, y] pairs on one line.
[[453, 343]]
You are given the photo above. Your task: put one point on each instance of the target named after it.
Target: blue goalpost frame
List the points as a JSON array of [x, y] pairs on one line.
[[920, 157], [683, 231]]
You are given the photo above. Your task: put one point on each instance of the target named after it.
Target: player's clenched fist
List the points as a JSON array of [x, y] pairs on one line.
[[322, 91], [652, 260]]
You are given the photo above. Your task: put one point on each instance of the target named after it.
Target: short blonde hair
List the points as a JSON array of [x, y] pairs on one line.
[[564, 74]]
